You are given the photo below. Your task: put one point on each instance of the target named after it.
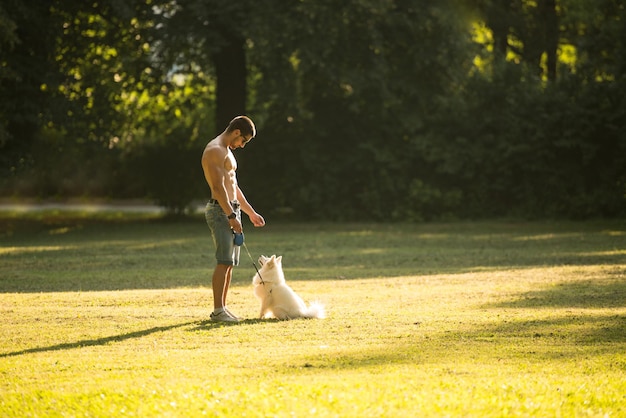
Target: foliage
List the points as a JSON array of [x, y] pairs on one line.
[[346, 117], [530, 151], [25, 56], [169, 176], [371, 109]]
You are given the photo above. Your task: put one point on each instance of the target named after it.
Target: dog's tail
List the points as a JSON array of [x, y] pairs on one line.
[[315, 310]]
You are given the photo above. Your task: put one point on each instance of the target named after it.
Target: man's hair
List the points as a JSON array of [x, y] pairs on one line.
[[244, 124]]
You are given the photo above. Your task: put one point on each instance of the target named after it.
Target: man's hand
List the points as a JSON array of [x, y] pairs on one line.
[[235, 225], [257, 220]]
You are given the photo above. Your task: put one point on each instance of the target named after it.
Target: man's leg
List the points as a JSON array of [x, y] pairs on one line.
[[221, 282], [229, 275]]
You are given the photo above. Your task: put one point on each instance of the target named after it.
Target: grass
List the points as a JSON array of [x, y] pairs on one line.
[[107, 316]]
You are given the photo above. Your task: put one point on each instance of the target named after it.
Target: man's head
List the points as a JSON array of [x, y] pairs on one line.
[[240, 131], [244, 124]]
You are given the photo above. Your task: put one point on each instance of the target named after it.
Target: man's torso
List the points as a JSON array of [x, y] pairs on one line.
[[227, 168]]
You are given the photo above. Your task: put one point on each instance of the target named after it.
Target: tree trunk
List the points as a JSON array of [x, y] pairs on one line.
[[230, 68], [551, 36], [497, 17]]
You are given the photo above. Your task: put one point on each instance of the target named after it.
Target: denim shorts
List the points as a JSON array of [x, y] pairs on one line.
[[226, 252]]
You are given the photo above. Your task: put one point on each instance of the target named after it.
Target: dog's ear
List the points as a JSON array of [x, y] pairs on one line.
[[279, 258], [269, 262]]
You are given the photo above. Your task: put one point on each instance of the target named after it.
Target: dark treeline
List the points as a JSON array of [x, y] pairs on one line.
[[366, 109]]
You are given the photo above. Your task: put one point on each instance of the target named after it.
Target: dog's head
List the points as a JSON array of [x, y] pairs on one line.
[[271, 261], [271, 270]]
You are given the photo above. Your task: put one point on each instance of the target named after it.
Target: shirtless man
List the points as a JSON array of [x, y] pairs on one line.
[[223, 212]]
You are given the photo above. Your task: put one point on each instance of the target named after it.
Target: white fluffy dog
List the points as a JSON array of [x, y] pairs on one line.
[[278, 300]]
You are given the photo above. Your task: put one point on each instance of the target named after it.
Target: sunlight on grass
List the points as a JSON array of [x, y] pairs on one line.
[[554, 237], [602, 253], [33, 249], [375, 251], [443, 327], [615, 233], [59, 231], [537, 237]]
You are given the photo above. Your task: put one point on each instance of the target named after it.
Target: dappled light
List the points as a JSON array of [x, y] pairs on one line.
[[499, 110]]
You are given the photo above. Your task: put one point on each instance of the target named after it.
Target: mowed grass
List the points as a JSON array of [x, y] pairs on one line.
[[109, 317]]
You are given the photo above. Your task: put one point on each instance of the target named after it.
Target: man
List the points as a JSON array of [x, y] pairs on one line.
[[223, 212]]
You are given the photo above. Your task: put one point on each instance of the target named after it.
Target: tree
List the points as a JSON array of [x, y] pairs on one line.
[[388, 109], [349, 86], [523, 31], [27, 63], [208, 37]]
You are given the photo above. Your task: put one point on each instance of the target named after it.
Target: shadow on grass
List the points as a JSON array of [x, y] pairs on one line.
[[201, 326], [71, 255], [209, 325], [567, 330], [548, 340], [577, 329], [96, 341], [579, 294]]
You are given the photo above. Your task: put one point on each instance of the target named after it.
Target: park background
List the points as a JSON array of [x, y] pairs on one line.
[[495, 127], [367, 110]]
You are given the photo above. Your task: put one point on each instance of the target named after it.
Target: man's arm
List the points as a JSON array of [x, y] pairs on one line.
[[246, 207]]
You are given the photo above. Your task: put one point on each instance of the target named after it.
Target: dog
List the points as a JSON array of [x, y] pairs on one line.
[[278, 300]]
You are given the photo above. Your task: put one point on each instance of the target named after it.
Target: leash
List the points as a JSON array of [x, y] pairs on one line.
[[253, 263]]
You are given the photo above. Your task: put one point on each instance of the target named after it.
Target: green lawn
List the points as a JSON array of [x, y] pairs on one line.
[[108, 316]]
